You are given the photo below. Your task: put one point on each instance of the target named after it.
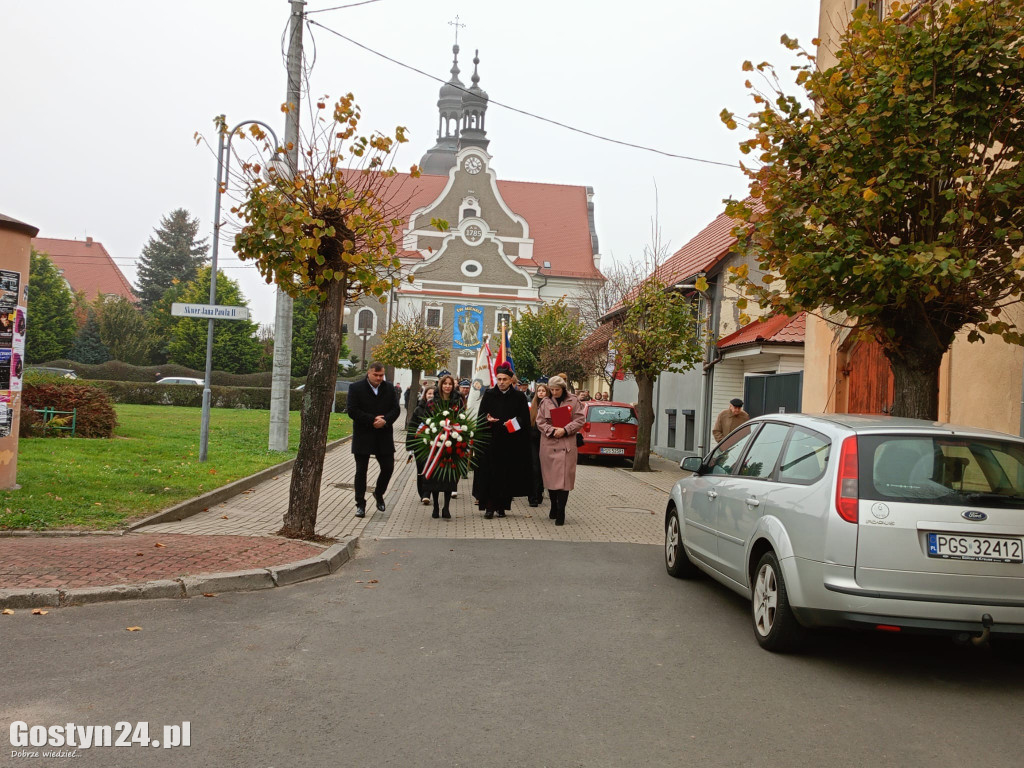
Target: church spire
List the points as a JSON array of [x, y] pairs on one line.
[[474, 106], [441, 157]]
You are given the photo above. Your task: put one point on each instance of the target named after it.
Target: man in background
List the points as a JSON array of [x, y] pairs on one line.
[[729, 419]]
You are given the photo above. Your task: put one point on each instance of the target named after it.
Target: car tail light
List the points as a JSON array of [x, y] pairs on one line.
[[887, 628], [846, 486], [586, 427]]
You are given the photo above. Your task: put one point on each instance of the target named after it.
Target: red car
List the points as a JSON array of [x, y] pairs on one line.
[[609, 429]]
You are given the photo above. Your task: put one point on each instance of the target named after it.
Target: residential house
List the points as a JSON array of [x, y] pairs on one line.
[[86, 267]]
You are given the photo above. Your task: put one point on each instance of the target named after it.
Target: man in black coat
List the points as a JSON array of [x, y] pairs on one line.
[[373, 408], [503, 471]]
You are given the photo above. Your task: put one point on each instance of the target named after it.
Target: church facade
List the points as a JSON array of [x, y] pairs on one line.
[[509, 247]]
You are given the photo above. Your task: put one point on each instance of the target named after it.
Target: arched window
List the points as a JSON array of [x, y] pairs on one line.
[[366, 322]]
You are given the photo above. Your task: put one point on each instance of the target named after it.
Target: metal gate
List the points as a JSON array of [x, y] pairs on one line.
[[772, 393]]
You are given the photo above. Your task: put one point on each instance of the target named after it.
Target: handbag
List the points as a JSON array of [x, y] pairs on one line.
[[579, 439]]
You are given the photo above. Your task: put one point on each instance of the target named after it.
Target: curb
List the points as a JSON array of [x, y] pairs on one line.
[[201, 503], [327, 562]]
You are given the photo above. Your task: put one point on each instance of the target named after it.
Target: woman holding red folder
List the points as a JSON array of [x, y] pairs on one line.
[[559, 419]]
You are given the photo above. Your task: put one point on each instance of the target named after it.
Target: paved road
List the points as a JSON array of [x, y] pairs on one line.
[[433, 652]]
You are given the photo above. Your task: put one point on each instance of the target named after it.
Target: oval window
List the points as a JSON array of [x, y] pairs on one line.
[[471, 268]]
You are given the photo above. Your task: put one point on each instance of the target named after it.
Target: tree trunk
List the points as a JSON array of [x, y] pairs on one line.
[[413, 395], [915, 380], [645, 410], [915, 354], [317, 401]]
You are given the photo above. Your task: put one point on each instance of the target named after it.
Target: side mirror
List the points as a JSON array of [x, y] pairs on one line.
[[691, 464]]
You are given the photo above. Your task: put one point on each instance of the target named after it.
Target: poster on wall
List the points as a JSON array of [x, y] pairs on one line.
[[18, 348], [6, 413], [10, 282], [469, 324], [5, 369]]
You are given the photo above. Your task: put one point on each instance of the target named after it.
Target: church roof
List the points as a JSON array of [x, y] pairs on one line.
[[86, 266], [556, 213]]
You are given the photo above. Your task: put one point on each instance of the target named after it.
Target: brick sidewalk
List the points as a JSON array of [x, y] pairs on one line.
[[94, 561]]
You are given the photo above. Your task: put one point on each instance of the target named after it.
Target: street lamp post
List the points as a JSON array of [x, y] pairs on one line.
[[223, 165]]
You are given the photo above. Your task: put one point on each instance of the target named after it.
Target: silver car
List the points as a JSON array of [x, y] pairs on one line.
[[842, 520]]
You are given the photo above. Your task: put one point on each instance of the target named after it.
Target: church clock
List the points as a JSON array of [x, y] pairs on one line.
[[473, 165]]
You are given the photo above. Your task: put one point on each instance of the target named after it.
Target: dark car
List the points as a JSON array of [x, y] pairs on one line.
[[609, 429]]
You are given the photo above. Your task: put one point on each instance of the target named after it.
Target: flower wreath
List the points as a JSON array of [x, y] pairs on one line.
[[447, 442]]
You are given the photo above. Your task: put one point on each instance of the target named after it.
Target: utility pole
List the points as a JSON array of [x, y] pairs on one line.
[[280, 387]]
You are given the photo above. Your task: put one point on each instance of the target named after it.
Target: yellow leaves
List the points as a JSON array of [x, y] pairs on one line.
[[39, 612], [869, 195], [748, 66], [134, 629], [158, 545], [862, 108], [7, 612]]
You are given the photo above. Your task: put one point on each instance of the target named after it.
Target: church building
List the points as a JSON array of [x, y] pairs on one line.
[[510, 245]]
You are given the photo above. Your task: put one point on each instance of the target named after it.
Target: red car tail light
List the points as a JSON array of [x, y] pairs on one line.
[[846, 485]]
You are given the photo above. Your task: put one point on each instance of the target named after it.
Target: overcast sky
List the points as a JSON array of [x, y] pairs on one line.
[[101, 100]]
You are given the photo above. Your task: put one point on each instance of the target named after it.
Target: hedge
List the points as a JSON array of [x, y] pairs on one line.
[[114, 370], [95, 417], [256, 398]]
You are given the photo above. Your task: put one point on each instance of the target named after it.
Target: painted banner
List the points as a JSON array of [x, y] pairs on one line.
[[469, 324]]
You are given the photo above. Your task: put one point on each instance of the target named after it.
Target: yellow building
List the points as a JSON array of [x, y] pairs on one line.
[[980, 384]]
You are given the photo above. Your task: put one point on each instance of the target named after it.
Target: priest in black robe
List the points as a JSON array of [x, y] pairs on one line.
[[503, 471]]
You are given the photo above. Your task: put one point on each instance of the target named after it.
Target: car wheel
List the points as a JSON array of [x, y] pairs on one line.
[[775, 626], [676, 562]]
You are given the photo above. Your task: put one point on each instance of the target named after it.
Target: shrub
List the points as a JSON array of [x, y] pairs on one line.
[[95, 415], [115, 370]]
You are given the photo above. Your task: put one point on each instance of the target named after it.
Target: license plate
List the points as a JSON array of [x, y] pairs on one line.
[[982, 548], [613, 451]]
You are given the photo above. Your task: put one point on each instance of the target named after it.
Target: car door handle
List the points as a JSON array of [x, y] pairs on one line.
[[752, 502], [712, 495]]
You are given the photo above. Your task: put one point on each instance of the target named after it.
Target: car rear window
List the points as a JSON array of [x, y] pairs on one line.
[[941, 469], [610, 414]]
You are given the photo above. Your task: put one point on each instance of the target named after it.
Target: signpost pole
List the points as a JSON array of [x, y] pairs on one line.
[[204, 426]]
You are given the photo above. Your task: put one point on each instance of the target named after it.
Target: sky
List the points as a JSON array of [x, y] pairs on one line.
[[102, 100]]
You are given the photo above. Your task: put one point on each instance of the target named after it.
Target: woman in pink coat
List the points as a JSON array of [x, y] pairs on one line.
[[558, 446]]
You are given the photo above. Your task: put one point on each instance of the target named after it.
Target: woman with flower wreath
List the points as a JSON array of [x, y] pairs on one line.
[[447, 403]]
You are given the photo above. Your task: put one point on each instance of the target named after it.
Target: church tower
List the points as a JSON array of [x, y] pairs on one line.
[[474, 109], [440, 158]]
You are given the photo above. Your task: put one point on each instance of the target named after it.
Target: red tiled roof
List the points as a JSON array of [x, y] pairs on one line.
[[86, 265], [556, 213], [778, 329], [703, 251], [600, 336]]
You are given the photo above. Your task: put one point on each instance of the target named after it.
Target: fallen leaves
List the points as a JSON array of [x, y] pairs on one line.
[[134, 629], [209, 594], [138, 554], [158, 544], [39, 612], [223, 517], [8, 612]]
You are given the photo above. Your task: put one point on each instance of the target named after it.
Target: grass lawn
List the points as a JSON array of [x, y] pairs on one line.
[[151, 463]]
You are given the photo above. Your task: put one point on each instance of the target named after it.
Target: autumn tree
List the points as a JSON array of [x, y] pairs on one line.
[[51, 328], [891, 186], [173, 254], [235, 346], [409, 343], [326, 232], [656, 330], [546, 341]]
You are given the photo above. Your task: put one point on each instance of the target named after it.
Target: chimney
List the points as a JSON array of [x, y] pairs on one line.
[[88, 242]]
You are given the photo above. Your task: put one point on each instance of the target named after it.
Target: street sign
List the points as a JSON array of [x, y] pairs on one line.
[[210, 311]]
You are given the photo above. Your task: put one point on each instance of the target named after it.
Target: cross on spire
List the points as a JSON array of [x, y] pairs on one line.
[[456, 24]]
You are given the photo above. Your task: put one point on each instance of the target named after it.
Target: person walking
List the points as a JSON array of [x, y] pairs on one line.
[[419, 414], [447, 399], [729, 419], [373, 408], [503, 471], [537, 495], [558, 445]]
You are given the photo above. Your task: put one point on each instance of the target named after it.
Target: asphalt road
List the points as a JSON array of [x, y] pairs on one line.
[[498, 653]]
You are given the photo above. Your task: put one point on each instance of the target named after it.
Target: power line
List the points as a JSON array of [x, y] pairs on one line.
[[339, 7], [523, 111]]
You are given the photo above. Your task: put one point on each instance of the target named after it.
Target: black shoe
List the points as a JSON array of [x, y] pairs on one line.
[[552, 514], [435, 514], [446, 514], [560, 520], [501, 513], [534, 503], [361, 511], [488, 514], [380, 504]]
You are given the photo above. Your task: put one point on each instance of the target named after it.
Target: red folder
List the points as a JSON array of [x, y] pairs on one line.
[[560, 417]]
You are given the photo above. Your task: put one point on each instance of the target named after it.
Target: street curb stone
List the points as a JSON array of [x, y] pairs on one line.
[[29, 598], [194, 506], [236, 581], [323, 564]]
